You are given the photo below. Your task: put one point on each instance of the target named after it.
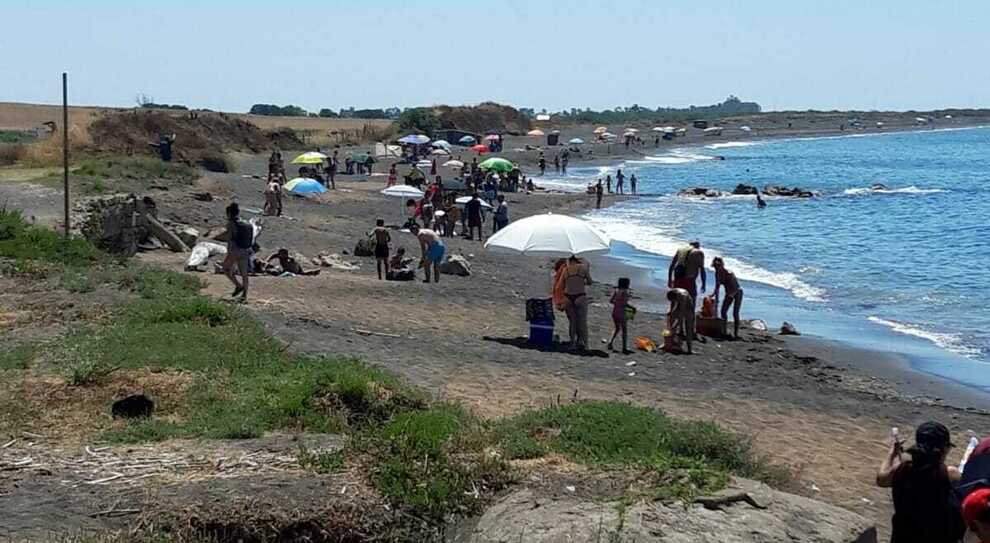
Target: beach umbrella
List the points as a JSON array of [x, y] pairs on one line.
[[496, 164], [454, 164], [657, 129], [601, 130], [480, 148], [467, 140], [311, 157], [745, 128], [403, 191], [444, 144], [415, 139], [463, 200], [576, 141], [536, 132], [425, 163], [550, 235], [305, 185], [440, 152], [493, 137]]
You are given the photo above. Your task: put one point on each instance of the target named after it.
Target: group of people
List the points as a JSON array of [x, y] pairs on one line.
[[935, 502]]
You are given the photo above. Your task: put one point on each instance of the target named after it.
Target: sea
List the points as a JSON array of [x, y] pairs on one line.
[[904, 268]]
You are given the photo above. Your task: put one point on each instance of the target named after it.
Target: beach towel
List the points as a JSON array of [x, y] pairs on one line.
[[558, 296]]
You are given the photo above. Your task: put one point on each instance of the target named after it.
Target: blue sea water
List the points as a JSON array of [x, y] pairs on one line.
[[904, 270]]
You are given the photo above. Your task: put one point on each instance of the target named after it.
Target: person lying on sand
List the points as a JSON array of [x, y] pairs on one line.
[[680, 318], [733, 293], [432, 248], [288, 263]]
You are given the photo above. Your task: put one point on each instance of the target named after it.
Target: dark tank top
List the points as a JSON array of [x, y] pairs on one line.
[[922, 507]]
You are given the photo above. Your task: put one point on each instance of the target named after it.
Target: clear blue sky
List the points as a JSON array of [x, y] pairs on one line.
[[785, 54]]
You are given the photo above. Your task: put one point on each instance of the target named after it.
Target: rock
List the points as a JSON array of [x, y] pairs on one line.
[[188, 235], [334, 261], [756, 324], [699, 191], [217, 233], [456, 265], [115, 223], [788, 329], [202, 196], [796, 192], [166, 236], [775, 517], [744, 189], [364, 248], [132, 407]]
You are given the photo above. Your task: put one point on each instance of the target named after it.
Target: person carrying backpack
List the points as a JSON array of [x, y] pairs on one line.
[[240, 238]]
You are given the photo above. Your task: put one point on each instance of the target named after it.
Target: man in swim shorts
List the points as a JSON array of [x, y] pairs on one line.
[[687, 264], [432, 248]]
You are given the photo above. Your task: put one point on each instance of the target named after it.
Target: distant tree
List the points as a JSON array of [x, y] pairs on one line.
[[421, 119], [273, 110], [369, 114], [329, 113], [146, 101], [393, 113], [527, 112]]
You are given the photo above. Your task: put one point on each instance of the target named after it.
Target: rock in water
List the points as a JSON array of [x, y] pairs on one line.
[[767, 516], [796, 192], [132, 407], [456, 265], [744, 189], [788, 329], [699, 191], [364, 248]]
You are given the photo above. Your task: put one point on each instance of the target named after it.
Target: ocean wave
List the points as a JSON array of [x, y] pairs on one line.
[[664, 244], [903, 190], [730, 144], [949, 342], [678, 156]]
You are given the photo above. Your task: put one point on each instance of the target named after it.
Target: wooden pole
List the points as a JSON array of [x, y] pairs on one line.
[[65, 147]]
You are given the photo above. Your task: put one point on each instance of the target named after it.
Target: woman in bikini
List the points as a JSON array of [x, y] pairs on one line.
[[576, 277], [733, 293]]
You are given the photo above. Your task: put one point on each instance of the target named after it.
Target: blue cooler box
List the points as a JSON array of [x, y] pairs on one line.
[[541, 333]]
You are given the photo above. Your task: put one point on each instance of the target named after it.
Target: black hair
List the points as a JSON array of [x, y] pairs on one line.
[[233, 210], [623, 282], [380, 222], [671, 295]]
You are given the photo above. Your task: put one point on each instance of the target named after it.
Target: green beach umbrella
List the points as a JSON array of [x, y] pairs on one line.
[[497, 164]]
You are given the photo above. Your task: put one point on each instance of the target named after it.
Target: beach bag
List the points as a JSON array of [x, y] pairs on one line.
[[243, 235], [645, 344], [708, 307]]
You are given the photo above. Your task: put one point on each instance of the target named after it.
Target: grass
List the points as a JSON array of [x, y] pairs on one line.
[[100, 175], [15, 136], [17, 356], [321, 461]]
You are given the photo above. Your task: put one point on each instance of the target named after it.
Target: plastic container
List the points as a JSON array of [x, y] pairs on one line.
[[541, 333]]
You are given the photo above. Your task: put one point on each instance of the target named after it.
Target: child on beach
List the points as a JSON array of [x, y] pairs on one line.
[[620, 304], [381, 238], [392, 176]]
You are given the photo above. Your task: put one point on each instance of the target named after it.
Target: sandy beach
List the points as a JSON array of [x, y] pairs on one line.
[[819, 407]]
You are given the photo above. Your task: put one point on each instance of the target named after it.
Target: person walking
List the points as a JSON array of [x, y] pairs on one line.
[[620, 317], [921, 487], [620, 180], [501, 214], [240, 239], [332, 165], [632, 183], [473, 210]]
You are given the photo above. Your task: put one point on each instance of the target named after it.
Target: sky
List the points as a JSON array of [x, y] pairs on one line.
[[230, 54]]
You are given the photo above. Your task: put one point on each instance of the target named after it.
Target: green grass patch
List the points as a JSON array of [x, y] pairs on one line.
[[17, 357], [321, 461], [16, 136], [134, 167], [688, 456], [26, 243]]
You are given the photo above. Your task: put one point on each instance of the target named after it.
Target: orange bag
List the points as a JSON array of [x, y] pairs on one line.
[[645, 344], [708, 307]]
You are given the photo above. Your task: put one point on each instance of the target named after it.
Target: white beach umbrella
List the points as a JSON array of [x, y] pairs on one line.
[[550, 235], [440, 152], [454, 164], [441, 143], [403, 191], [425, 163], [658, 129], [463, 200], [576, 141]]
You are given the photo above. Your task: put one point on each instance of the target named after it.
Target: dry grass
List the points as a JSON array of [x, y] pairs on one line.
[[48, 152]]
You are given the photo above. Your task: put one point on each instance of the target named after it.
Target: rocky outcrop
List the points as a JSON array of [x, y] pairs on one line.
[[745, 189], [796, 192], [749, 512], [116, 224], [699, 191], [456, 265], [188, 235], [788, 329]]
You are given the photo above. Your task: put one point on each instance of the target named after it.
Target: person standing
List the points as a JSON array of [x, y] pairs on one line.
[[632, 183], [620, 180], [733, 293], [432, 249], [393, 176], [599, 193], [556, 163], [381, 238], [576, 277], [543, 165], [332, 165], [620, 301], [564, 160], [433, 167], [473, 210], [501, 214], [921, 487], [608, 183], [687, 264], [240, 238]]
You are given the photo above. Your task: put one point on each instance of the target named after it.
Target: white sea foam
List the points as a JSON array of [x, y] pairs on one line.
[[950, 342], [678, 156], [653, 240], [730, 144], [859, 191]]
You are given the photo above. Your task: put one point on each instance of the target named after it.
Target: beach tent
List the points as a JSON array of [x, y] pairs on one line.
[[305, 185], [550, 235], [537, 132], [311, 157], [467, 140], [387, 151], [454, 164], [414, 139], [575, 141], [496, 164]]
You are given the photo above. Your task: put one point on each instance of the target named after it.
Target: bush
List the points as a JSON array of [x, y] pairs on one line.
[[217, 162], [12, 153]]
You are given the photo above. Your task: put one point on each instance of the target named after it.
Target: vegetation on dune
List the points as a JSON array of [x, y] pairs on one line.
[[431, 459]]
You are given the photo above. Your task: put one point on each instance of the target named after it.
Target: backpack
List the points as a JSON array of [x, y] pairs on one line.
[[243, 235]]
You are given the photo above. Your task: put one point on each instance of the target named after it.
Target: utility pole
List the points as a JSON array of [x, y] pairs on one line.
[[65, 147]]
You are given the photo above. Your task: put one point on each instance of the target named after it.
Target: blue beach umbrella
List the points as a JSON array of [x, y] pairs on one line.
[[467, 140], [415, 139], [305, 185]]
